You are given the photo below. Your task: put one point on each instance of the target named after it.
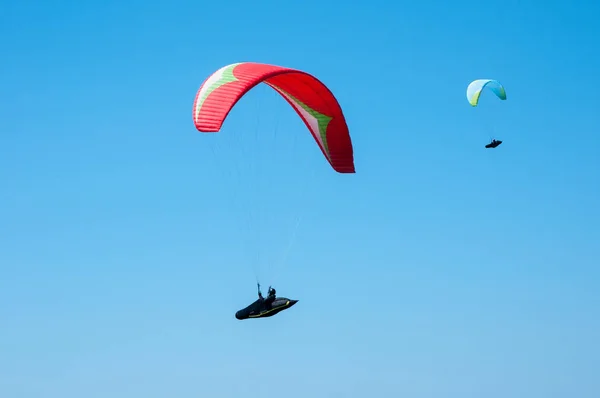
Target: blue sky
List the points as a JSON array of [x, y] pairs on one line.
[[440, 269]]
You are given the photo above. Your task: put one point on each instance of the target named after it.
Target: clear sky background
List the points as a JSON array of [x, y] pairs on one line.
[[439, 269]]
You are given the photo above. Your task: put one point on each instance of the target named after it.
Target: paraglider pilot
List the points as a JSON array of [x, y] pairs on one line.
[[270, 297], [493, 144], [265, 307]]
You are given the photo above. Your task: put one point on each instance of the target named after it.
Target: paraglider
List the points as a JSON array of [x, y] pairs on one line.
[[264, 308], [312, 101], [474, 92]]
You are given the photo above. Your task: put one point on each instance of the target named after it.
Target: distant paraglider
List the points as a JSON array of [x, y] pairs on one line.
[[474, 92]]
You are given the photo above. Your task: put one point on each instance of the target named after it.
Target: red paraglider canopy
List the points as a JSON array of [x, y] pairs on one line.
[[311, 99]]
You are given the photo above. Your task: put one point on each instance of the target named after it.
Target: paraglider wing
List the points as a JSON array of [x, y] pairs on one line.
[[475, 87], [310, 98]]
